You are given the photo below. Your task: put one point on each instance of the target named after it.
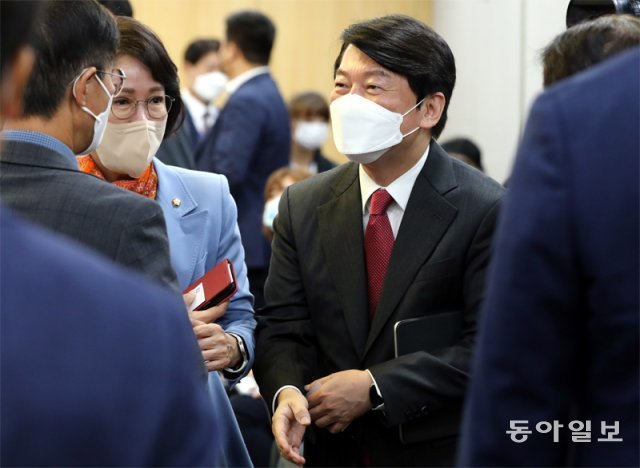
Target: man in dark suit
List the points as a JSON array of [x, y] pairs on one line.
[[251, 137], [559, 346], [345, 270], [66, 106], [83, 379], [203, 82]]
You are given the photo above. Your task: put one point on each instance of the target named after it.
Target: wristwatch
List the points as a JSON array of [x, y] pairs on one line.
[[376, 399], [243, 354]]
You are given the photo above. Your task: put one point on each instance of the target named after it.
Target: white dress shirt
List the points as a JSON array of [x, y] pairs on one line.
[[399, 189], [233, 85], [197, 111]]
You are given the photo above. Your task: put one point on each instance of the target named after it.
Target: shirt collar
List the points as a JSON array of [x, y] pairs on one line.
[[233, 85], [40, 139], [399, 189]]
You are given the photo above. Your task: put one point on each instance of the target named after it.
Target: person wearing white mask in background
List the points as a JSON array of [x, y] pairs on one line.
[[200, 213], [277, 183], [203, 84], [310, 130], [402, 231]]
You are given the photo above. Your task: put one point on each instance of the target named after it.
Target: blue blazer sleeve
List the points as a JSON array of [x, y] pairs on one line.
[[203, 230], [239, 318]]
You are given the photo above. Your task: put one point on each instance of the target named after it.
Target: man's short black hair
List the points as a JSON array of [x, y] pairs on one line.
[[199, 48], [141, 43], [253, 33], [588, 43], [118, 7], [409, 48], [16, 20], [68, 37]]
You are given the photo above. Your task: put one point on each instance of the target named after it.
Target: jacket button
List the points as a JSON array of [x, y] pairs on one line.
[[176, 202], [424, 410]]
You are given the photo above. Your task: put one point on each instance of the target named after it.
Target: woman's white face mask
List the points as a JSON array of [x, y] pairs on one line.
[[311, 135], [270, 212], [364, 130], [128, 148]]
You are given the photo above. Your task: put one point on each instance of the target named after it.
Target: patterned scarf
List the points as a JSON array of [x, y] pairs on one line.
[[145, 185]]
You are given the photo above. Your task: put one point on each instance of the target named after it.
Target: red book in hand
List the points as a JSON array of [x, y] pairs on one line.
[[216, 286]]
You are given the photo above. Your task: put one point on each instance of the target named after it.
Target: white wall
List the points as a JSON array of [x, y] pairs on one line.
[[496, 44]]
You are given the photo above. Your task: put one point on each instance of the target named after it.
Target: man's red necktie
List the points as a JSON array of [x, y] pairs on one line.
[[378, 244]]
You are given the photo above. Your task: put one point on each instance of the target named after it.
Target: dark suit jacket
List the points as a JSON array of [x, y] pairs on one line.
[[559, 336], [250, 139], [179, 149], [46, 188], [99, 365], [316, 322]]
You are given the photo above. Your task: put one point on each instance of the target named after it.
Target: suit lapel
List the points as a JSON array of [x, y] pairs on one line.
[[340, 225], [426, 219], [183, 220]]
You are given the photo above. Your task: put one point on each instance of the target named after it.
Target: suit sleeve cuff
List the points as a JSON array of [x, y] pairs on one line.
[[275, 397], [375, 384]]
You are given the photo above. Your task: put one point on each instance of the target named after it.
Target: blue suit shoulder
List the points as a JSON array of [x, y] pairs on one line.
[[77, 330], [200, 183]]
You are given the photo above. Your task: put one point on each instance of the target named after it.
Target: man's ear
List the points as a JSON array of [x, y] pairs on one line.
[[14, 82], [80, 86], [232, 50], [431, 110], [187, 69]]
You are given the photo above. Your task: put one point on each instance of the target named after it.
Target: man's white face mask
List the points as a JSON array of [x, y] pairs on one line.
[[209, 86], [100, 123], [364, 130]]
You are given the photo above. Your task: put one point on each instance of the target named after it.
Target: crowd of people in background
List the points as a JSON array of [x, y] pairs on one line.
[[398, 309]]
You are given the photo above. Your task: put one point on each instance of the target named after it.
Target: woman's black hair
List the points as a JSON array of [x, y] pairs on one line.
[[141, 43]]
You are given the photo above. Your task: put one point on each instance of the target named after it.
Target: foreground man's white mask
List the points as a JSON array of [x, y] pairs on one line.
[[100, 124], [363, 130]]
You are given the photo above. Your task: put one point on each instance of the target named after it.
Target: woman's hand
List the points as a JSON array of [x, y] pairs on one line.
[[208, 315], [219, 349]]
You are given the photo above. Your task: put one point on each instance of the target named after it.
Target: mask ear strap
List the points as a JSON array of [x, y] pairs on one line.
[[83, 107], [412, 131], [421, 101], [75, 82]]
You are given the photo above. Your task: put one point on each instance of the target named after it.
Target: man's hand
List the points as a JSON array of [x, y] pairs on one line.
[[337, 399], [289, 423]]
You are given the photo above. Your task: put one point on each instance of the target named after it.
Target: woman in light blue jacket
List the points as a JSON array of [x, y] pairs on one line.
[[200, 213]]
